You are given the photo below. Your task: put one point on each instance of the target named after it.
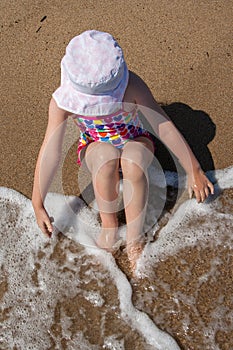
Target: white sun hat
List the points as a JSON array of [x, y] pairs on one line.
[[94, 75]]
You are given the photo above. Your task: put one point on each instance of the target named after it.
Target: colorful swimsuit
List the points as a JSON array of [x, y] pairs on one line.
[[117, 129]]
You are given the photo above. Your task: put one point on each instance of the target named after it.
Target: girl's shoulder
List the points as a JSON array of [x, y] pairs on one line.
[[136, 88], [132, 87]]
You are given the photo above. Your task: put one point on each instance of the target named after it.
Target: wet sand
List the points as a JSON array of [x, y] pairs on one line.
[[183, 50]]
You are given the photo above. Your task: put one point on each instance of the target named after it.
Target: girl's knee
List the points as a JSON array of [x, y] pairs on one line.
[[102, 157], [132, 171], [135, 158]]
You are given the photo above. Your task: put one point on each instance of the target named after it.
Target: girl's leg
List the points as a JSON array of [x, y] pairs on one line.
[[136, 157], [102, 160]]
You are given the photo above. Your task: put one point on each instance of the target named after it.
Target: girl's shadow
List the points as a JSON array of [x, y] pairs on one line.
[[197, 128]]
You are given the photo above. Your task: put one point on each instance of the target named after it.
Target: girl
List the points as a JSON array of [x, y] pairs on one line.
[[104, 98]]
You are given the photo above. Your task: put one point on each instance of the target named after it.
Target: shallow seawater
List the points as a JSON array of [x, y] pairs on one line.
[[64, 293]]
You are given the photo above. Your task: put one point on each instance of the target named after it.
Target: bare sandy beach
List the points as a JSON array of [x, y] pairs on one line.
[[183, 50]]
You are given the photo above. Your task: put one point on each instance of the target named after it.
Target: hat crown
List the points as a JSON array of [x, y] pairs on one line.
[[94, 75], [94, 59]]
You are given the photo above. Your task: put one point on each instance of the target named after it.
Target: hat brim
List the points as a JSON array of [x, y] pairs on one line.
[[70, 99]]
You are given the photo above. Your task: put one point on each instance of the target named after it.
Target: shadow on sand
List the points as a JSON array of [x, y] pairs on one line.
[[197, 128]]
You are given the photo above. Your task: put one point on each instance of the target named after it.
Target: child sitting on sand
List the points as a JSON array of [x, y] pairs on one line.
[[104, 98]]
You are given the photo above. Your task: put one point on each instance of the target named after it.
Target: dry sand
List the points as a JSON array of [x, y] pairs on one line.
[[183, 50]]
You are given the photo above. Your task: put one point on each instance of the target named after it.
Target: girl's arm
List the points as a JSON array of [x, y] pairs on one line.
[[47, 164], [172, 138]]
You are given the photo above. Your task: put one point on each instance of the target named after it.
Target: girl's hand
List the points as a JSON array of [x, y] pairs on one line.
[[200, 185], [44, 222]]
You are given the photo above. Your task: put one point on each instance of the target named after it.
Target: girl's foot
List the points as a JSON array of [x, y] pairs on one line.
[[134, 250], [107, 239]]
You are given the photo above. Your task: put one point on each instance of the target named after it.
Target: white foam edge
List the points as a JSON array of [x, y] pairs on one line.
[[171, 237], [15, 197], [168, 242], [137, 319], [222, 177]]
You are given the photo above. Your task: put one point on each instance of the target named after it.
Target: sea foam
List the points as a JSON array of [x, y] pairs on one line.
[[34, 282]]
